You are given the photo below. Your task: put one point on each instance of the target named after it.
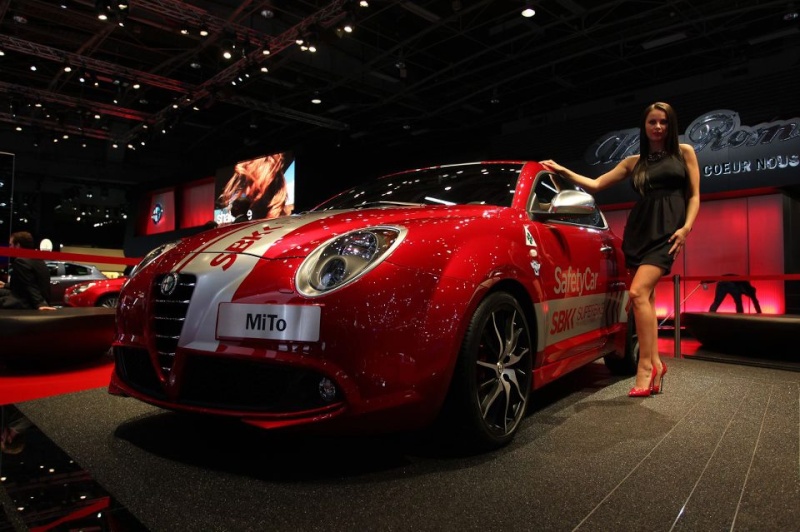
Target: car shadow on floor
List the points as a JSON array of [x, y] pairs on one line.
[[229, 446]]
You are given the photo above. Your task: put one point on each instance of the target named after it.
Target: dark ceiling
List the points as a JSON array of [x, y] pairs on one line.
[[412, 77]]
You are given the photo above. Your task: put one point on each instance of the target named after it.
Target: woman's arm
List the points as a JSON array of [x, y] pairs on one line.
[[678, 239], [615, 175]]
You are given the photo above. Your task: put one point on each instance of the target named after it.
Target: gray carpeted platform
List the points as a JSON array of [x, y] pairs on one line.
[[720, 449]]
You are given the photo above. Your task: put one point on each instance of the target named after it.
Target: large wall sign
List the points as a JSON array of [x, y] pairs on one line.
[[732, 155]]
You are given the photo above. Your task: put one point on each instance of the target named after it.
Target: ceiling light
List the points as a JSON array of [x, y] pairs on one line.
[[528, 11], [363, 3], [204, 32], [661, 41]]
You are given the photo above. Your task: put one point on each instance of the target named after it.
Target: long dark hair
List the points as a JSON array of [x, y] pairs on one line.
[[671, 142]]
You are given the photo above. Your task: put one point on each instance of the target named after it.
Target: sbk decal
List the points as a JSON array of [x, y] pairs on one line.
[[226, 260], [565, 318]]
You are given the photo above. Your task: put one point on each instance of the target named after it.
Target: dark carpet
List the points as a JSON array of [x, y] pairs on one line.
[[719, 450]]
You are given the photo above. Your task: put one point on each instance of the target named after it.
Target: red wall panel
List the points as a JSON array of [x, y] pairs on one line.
[[197, 203], [742, 236]]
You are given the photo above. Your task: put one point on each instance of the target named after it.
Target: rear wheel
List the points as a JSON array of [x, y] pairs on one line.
[[108, 301], [493, 376], [626, 364]]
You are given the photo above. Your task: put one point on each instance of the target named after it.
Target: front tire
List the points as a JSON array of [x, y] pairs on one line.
[[108, 301], [493, 375]]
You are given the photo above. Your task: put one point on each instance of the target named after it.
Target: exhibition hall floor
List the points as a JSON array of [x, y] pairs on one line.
[[720, 449]]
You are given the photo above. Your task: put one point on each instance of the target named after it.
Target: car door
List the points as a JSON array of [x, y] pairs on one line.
[[578, 265]]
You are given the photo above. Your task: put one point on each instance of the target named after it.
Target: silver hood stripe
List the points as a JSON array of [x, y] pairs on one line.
[[216, 285]]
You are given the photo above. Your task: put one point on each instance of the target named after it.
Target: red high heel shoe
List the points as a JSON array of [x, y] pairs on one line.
[[660, 386], [644, 392]]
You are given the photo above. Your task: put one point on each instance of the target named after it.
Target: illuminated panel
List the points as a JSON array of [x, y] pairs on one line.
[[159, 216], [267, 183], [765, 242], [741, 236], [717, 245], [197, 203]]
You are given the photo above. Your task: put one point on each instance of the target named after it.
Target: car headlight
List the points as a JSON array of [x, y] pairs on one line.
[[344, 259], [81, 288], [153, 255]]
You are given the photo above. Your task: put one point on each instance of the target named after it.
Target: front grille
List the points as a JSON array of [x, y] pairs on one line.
[[248, 385], [169, 313], [134, 368]]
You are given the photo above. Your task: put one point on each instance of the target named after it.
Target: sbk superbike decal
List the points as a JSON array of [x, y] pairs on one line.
[[565, 318]]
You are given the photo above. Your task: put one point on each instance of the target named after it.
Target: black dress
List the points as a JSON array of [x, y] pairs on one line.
[[657, 215]]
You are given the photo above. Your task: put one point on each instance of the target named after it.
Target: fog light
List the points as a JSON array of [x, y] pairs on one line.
[[327, 390]]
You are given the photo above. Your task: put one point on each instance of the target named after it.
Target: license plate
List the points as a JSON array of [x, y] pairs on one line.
[[298, 323]]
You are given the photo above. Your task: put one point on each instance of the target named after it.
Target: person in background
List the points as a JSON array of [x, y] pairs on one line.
[[28, 284], [736, 289], [666, 176], [239, 209]]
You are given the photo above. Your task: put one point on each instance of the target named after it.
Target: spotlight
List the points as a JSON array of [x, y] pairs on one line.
[[528, 11], [349, 25]]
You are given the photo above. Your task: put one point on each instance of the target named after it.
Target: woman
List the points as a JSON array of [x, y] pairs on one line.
[[667, 177]]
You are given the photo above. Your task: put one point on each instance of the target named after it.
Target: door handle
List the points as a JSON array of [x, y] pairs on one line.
[[606, 249]]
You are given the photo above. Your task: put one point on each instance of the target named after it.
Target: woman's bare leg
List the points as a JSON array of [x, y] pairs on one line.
[[643, 299]]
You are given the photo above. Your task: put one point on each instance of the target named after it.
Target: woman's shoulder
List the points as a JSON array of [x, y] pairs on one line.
[[629, 162], [686, 148]]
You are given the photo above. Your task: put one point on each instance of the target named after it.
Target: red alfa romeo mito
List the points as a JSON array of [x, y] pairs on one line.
[[444, 295]]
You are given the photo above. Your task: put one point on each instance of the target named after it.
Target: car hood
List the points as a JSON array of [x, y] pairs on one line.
[[299, 235]]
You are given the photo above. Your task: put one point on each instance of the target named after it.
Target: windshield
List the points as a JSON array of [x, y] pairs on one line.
[[479, 183]]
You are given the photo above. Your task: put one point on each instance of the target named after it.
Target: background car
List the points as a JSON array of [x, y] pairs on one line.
[[441, 295], [100, 293], [65, 274]]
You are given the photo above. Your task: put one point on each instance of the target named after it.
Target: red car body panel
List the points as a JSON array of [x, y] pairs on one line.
[[91, 293], [390, 339]]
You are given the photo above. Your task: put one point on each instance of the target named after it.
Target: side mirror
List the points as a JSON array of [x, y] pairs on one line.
[[570, 204]]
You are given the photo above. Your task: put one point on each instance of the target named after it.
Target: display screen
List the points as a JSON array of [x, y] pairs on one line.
[[260, 188]]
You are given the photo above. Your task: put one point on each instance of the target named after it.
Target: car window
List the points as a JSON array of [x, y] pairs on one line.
[[76, 269], [53, 269], [477, 183], [545, 188]]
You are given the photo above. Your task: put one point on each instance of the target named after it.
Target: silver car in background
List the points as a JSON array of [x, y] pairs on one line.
[[65, 274]]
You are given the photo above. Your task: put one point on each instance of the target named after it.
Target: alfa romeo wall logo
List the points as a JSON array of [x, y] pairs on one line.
[[158, 213]]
